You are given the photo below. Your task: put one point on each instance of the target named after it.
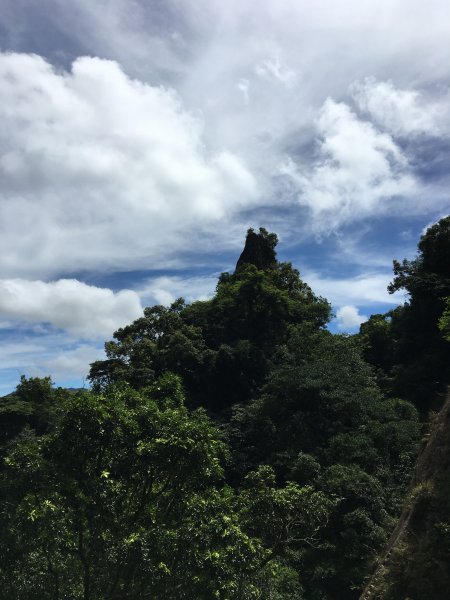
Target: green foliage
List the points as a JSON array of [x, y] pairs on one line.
[[132, 491], [260, 305], [117, 479], [444, 321], [296, 513], [123, 500], [322, 421], [376, 336], [222, 348], [416, 356], [33, 408], [157, 342], [318, 387]]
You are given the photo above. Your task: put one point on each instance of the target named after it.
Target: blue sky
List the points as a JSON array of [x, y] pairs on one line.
[[140, 139]]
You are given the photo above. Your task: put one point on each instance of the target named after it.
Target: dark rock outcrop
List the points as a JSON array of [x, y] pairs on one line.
[[259, 250]]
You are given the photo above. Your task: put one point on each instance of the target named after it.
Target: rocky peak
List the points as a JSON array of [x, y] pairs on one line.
[[259, 250]]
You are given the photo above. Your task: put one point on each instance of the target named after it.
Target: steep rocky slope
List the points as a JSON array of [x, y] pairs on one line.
[[415, 564]]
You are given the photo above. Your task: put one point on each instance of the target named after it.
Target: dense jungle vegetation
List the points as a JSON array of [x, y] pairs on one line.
[[234, 448]]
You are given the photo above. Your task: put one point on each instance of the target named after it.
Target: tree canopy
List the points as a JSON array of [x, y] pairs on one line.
[[231, 448]]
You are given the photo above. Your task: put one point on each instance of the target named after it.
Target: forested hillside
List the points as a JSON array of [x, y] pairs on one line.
[[232, 448]]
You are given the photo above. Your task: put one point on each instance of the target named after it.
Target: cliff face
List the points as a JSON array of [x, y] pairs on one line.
[[416, 565]]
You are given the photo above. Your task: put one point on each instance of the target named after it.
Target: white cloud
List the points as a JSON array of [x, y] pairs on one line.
[[108, 167], [50, 353], [101, 171], [166, 289], [366, 289], [358, 173], [244, 88], [400, 111], [273, 68], [79, 309], [17, 353], [107, 172], [69, 364], [367, 37], [348, 317], [80, 313]]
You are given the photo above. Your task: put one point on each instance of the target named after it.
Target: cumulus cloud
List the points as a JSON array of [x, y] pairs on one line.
[[174, 145], [69, 364], [400, 111], [50, 353], [358, 173], [348, 317], [108, 172], [365, 289], [166, 289], [102, 171], [77, 308]]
